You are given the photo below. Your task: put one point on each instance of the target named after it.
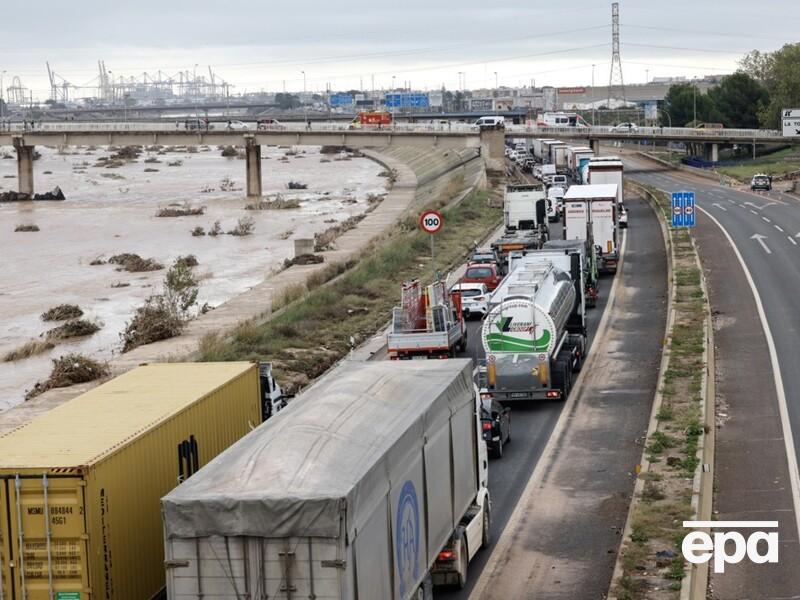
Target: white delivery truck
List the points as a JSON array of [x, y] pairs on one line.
[[525, 207], [539, 148], [607, 169], [558, 156], [371, 484], [534, 334], [590, 214]]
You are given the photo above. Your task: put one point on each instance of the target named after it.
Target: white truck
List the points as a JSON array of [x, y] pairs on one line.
[[539, 146], [534, 334], [558, 156], [576, 158], [427, 324], [372, 484], [607, 169], [590, 215], [525, 207], [560, 119]]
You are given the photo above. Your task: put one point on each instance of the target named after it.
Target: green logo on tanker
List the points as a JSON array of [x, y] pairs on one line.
[[512, 330]]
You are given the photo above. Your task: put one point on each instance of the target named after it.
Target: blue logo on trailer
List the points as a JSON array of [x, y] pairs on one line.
[[688, 209], [677, 209], [407, 537]]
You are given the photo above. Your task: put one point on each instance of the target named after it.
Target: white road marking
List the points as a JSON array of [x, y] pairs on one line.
[[778, 227], [761, 207], [791, 454], [791, 239], [731, 201], [766, 219], [719, 206], [760, 239], [754, 212]]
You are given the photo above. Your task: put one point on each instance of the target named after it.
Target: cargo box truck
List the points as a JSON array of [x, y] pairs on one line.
[[80, 485], [372, 484], [590, 215], [607, 170], [558, 156], [524, 207], [539, 148], [534, 334]]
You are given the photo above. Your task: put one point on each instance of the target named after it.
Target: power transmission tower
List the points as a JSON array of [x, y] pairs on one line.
[[616, 86]]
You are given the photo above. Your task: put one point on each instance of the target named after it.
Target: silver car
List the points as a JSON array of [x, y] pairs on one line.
[[474, 298]]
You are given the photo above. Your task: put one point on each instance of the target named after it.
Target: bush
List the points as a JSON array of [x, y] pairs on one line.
[[180, 284], [133, 263], [198, 231], [215, 229], [229, 152], [157, 319], [27, 227], [62, 312], [296, 185], [181, 211], [69, 370], [190, 260], [72, 329], [245, 226], [278, 203]]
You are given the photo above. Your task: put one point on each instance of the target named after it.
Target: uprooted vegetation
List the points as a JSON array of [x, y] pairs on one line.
[[28, 349], [276, 203], [181, 210], [245, 226], [229, 152], [72, 329], [62, 312], [69, 370], [296, 185], [313, 330], [26, 227], [133, 263], [164, 315]]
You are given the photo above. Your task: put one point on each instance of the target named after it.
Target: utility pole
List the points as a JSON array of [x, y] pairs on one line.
[[615, 78], [305, 113], [2, 100], [694, 101]]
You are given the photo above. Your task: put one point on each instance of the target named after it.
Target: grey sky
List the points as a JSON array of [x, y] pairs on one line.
[[259, 45]]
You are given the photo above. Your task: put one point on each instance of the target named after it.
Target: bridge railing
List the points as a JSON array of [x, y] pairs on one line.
[[682, 132]]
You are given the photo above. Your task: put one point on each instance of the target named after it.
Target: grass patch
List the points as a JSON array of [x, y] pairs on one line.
[[28, 349], [776, 164], [307, 337]]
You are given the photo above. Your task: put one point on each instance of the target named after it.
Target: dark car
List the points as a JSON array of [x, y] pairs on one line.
[[496, 426]]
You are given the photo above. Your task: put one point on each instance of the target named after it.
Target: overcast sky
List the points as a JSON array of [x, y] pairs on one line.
[[260, 45]]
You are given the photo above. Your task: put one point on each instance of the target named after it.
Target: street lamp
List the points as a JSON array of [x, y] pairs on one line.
[[496, 86], [194, 87], [694, 101], [2, 100], [305, 113], [592, 95]]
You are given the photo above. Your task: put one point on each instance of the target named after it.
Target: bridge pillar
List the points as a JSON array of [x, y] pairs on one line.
[[493, 148], [712, 152], [253, 161], [24, 166], [595, 146]]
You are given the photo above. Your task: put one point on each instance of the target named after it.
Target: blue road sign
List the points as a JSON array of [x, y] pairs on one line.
[[688, 209], [677, 209]]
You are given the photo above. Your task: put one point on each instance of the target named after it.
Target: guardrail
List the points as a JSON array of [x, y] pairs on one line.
[[684, 132]]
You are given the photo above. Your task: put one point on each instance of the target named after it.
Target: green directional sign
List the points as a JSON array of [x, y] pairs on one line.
[[68, 596]]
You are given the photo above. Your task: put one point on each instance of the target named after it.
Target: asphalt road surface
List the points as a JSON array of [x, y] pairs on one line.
[[752, 467]]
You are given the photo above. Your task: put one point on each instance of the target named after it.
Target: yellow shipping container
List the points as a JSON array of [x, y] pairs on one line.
[[80, 486]]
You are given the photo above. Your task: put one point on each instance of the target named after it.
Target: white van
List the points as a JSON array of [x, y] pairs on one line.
[[493, 122]]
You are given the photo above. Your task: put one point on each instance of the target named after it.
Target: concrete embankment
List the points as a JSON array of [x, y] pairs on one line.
[[421, 176]]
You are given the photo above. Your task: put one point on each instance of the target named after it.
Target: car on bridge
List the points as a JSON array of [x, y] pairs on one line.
[[270, 125], [625, 127], [761, 181]]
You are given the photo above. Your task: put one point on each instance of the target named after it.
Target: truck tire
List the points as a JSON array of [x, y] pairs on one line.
[[486, 536], [562, 367], [463, 562], [498, 449]]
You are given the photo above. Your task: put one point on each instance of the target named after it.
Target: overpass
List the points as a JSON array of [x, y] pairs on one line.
[[24, 137]]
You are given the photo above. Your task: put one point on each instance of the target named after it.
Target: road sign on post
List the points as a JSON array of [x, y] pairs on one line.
[[677, 209], [688, 209], [791, 122], [431, 221]]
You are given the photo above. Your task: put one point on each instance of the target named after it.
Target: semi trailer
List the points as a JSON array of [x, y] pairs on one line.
[[371, 484], [590, 215], [534, 334]]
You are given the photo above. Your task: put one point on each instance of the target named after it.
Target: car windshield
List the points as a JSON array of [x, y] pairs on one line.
[[479, 273]]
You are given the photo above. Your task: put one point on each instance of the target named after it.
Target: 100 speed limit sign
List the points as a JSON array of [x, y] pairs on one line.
[[431, 221]]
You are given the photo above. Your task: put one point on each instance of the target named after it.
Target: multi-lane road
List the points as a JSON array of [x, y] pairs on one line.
[[749, 245]]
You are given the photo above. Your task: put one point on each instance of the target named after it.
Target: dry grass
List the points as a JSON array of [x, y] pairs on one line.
[[69, 370], [62, 312], [31, 348]]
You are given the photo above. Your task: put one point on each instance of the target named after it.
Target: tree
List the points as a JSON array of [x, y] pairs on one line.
[[679, 103], [759, 66], [738, 100], [287, 101], [783, 83]]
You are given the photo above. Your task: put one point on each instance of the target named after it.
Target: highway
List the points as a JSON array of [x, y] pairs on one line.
[[758, 364]]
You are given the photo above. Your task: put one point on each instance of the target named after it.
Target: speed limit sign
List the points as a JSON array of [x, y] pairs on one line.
[[431, 221]]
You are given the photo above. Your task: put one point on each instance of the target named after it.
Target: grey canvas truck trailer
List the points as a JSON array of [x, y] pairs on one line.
[[370, 484]]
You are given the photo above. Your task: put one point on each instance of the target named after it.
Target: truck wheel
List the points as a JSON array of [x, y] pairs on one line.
[[498, 449], [486, 538], [463, 560], [562, 368]]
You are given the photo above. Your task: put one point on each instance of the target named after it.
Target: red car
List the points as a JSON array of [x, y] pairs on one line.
[[487, 273]]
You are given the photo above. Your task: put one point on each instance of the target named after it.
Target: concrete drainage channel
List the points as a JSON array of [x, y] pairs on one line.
[[679, 446]]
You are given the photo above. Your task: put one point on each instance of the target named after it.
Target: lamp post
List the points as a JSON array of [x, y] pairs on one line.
[[592, 95], [694, 101], [393, 103], [194, 89], [2, 100], [303, 100]]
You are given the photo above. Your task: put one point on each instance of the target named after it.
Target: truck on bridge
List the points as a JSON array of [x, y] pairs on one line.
[[534, 334], [374, 484], [427, 324]]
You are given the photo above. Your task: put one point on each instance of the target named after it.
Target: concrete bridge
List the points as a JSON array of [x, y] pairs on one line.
[[24, 138]]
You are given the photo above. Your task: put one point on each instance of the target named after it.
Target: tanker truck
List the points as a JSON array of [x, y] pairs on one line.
[[534, 333], [372, 483]]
